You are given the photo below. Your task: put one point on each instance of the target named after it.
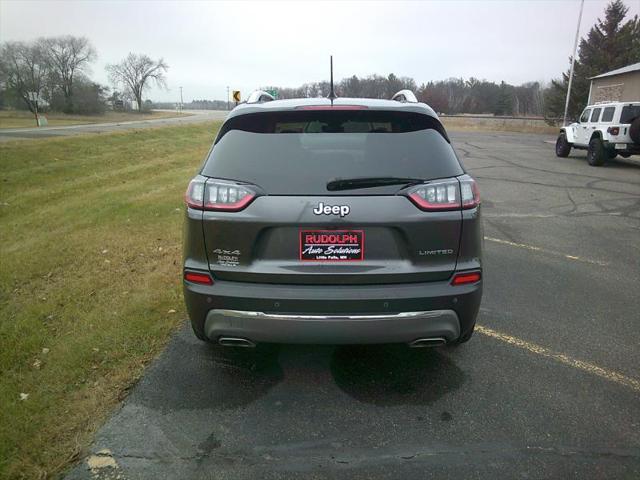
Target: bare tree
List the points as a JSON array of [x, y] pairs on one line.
[[24, 69], [68, 56], [136, 72]]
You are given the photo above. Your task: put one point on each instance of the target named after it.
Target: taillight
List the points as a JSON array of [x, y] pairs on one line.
[[195, 193], [465, 278], [219, 195], [469, 192], [613, 130], [212, 194], [440, 195], [201, 278]]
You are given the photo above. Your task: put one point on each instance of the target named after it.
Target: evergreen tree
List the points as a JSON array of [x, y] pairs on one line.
[[505, 100], [611, 43]]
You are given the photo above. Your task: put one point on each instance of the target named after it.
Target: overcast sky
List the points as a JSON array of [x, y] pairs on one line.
[[245, 45]]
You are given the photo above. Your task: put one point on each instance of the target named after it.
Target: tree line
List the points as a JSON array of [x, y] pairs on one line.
[[53, 74], [452, 96]]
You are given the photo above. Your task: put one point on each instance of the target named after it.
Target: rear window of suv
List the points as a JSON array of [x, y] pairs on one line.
[[299, 152]]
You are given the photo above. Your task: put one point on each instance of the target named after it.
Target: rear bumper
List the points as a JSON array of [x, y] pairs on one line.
[[625, 147], [332, 314], [332, 329]]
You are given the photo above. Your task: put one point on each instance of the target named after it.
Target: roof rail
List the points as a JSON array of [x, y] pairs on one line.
[[405, 96], [260, 96]]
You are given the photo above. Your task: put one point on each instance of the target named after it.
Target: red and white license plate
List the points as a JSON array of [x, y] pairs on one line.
[[331, 245]]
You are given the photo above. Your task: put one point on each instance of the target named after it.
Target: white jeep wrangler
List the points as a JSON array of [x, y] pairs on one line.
[[605, 131]]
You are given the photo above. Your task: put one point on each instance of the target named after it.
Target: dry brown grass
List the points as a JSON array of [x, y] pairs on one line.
[[467, 124]]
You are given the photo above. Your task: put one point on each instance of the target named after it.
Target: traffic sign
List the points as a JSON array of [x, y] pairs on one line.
[[236, 95]]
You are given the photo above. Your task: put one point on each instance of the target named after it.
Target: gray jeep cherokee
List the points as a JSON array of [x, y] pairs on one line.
[[349, 221]]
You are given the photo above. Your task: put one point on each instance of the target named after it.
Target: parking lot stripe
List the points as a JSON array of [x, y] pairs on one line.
[[519, 215], [549, 252], [561, 358]]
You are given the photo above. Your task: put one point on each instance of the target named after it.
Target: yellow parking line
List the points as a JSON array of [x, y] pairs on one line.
[[562, 358], [549, 252]]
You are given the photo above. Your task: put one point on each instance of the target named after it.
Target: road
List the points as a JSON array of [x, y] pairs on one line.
[[7, 134], [548, 387]]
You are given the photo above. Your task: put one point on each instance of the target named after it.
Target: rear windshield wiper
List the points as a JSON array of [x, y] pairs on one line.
[[367, 182]]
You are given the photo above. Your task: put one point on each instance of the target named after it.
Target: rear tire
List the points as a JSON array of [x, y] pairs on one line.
[[596, 153], [563, 147]]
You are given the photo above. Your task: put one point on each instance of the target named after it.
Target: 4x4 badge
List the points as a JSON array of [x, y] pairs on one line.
[[323, 209], [220, 251]]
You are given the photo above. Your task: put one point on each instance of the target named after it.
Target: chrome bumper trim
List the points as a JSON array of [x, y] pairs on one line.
[[278, 316]]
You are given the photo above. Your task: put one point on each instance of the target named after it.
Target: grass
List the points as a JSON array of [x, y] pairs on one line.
[[90, 290], [22, 119], [498, 125]]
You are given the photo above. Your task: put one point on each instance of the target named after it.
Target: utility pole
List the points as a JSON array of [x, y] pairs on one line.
[[181, 101], [228, 97], [573, 60]]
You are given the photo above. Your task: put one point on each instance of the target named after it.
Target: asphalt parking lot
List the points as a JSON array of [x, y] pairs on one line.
[[549, 387]]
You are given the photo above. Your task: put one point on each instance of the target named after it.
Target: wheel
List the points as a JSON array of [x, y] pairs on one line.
[[596, 154], [563, 147], [465, 337]]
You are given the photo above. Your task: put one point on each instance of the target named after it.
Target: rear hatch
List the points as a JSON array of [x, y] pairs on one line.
[[304, 224]]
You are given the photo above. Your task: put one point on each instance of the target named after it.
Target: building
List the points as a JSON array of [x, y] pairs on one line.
[[621, 85]]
